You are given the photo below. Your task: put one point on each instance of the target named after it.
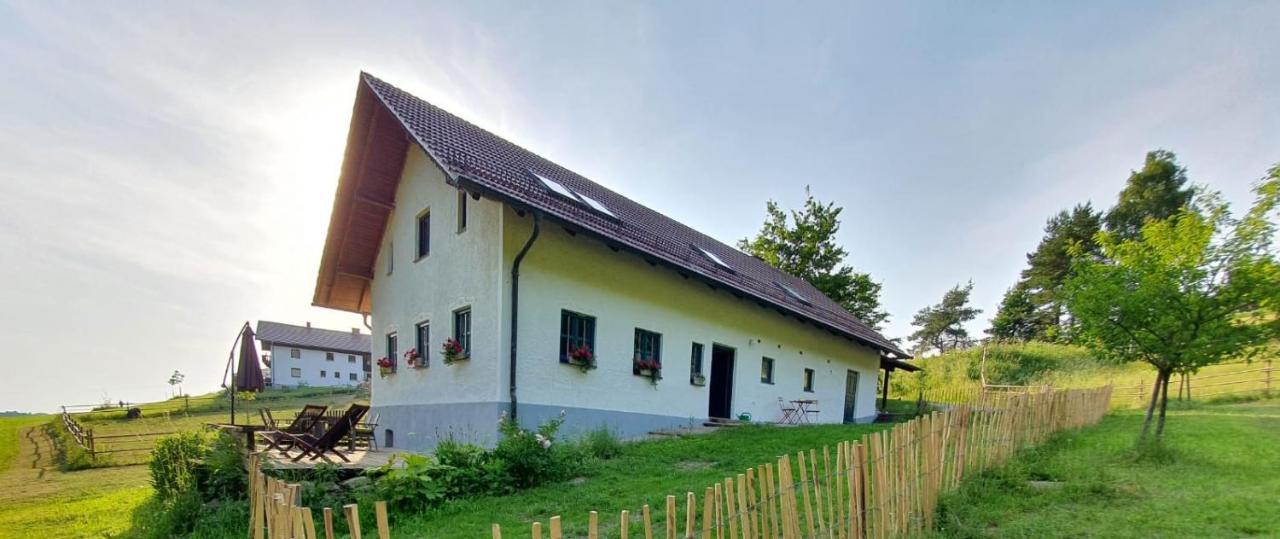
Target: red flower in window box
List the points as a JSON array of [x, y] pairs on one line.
[[414, 359], [451, 351], [386, 366], [583, 358], [650, 368]]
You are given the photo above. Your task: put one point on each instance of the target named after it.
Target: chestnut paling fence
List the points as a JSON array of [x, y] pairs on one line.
[[885, 484]]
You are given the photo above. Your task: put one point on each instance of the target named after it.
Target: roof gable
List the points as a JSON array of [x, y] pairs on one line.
[[484, 162]]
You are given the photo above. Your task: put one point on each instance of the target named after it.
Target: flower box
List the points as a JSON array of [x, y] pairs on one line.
[[414, 359], [582, 358], [386, 366], [648, 368], [452, 351]]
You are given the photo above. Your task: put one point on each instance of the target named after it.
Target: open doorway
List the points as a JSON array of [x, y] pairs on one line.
[[720, 403]]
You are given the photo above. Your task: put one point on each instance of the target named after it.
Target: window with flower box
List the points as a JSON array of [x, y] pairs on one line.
[[576, 330], [648, 348], [462, 329], [422, 338], [391, 351]]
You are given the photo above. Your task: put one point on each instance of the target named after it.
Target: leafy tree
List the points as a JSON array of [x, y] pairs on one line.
[[1189, 291], [805, 246], [1035, 311], [1158, 192], [942, 325]]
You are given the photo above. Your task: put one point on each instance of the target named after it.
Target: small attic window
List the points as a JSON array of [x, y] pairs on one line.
[[712, 257], [791, 292]]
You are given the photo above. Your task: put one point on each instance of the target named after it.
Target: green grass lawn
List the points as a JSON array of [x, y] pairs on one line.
[[645, 473], [10, 428], [1220, 478]]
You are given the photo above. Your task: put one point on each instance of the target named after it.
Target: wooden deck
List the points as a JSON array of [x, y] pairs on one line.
[[360, 460]]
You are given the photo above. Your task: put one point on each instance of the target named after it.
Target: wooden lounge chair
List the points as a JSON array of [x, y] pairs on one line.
[[303, 423], [317, 446]]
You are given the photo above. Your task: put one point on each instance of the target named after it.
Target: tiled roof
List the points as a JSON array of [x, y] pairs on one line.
[[479, 159], [313, 338]]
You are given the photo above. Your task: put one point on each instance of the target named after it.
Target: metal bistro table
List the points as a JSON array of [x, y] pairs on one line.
[[804, 407]]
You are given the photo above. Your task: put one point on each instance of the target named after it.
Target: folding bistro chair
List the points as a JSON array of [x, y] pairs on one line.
[[788, 412], [366, 429], [317, 446]]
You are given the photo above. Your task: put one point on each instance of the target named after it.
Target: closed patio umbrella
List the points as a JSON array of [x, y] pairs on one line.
[[249, 369]]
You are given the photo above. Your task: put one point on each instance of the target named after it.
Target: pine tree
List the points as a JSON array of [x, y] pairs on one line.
[[941, 326], [1158, 192]]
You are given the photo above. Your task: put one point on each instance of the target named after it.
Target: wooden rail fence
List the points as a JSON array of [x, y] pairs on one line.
[[886, 484], [1254, 377]]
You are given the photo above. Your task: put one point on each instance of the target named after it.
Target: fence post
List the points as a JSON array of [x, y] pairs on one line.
[[89, 438], [186, 404], [1268, 375]]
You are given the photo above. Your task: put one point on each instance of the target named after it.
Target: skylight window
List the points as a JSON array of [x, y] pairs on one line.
[[791, 292], [574, 196], [712, 257], [556, 187], [596, 205]]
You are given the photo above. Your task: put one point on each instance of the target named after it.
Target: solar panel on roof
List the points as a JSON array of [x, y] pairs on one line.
[[555, 186], [791, 292], [711, 256]]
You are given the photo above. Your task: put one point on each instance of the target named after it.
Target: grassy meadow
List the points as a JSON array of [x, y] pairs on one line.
[[1217, 478], [39, 500]]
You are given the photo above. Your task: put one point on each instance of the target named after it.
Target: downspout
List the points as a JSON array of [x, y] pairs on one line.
[[515, 303]]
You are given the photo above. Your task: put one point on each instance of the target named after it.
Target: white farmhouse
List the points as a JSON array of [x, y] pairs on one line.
[[441, 230], [307, 356]]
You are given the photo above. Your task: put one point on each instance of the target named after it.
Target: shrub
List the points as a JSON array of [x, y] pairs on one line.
[[414, 486], [601, 443], [173, 463], [467, 469], [68, 454], [527, 454]]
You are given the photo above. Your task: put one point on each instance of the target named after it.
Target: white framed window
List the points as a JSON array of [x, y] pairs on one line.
[[295, 353], [295, 373]]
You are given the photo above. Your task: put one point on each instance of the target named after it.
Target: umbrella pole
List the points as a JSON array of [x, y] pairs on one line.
[[231, 368]]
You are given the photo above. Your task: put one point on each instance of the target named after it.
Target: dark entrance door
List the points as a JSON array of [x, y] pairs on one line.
[[850, 395], [720, 403]]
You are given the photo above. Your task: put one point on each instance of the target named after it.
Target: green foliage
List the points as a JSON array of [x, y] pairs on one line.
[[806, 247], [1032, 309], [67, 453], [470, 470], [1156, 192], [941, 326], [1193, 290], [601, 443], [174, 461], [1010, 363], [411, 482], [527, 454]]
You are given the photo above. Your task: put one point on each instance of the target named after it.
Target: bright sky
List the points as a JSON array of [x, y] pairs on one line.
[[167, 175]]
